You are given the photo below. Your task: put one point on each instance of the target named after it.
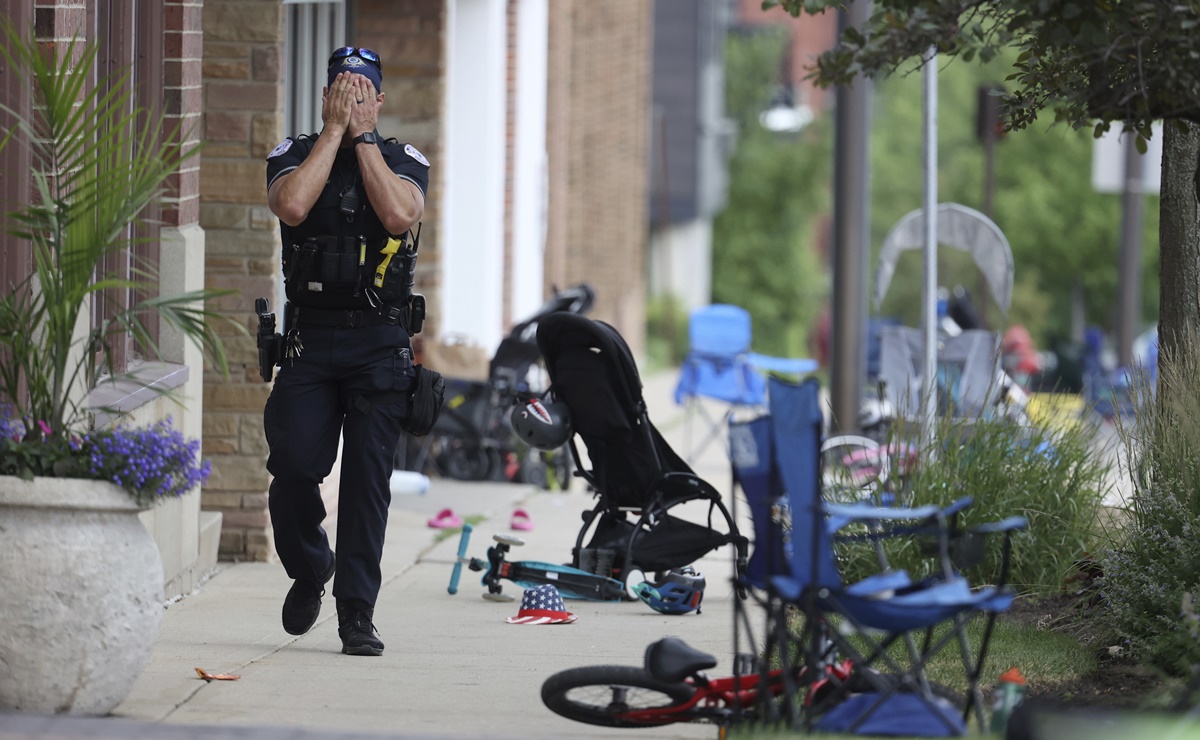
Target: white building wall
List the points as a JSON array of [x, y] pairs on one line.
[[530, 159], [472, 225], [681, 262]]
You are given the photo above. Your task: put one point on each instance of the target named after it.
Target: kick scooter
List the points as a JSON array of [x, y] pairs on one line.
[[572, 583]]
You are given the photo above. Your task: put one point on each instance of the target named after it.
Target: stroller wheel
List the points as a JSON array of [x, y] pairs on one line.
[[630, 578], [501, 598], [533, 470], [463, 461]]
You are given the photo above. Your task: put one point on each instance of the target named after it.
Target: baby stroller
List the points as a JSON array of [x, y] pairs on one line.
[[472, 439], [638, 479]]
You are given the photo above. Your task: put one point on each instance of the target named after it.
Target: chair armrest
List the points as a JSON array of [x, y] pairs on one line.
[[1004, 525], [861, 513], [794, 365], [957, 506]]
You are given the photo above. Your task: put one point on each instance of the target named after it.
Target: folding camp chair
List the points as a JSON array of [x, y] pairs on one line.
[[883, 695], [720, 366]]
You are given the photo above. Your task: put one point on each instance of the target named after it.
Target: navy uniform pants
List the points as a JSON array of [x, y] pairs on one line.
[[352, 382]]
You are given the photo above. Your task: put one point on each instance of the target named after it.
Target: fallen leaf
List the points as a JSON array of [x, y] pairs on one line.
[[215, 676]]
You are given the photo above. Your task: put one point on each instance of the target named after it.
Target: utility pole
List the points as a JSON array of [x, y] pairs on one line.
[[1129, 303], [851, 236]]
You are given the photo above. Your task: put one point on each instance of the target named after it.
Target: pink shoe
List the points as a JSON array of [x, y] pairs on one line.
[[445, 519], [521, 521]]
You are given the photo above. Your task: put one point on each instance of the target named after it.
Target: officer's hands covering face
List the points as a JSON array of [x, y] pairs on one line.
[[364, 114], [336, 104]]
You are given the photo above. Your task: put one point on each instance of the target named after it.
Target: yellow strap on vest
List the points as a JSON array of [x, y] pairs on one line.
[[389, 249]]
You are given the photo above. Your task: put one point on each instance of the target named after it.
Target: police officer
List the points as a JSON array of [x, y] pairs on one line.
[[346, 200]]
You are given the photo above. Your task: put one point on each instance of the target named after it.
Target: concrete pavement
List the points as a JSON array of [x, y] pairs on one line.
[[452, 667]]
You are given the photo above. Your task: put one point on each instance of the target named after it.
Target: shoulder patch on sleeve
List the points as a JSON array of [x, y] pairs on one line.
[[411, 151], [283, 147]]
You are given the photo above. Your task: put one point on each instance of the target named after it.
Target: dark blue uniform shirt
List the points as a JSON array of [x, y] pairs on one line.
[[326, 218]]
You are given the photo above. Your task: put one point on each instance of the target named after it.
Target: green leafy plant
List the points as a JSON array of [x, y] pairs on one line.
[[666, 331], [98, 162], [1049, 475], [150, 463], [764, 242], [1155, 564]]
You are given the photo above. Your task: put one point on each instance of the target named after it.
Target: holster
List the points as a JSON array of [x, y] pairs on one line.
[[270, 342]]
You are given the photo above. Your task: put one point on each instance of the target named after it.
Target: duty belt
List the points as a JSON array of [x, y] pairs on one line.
[[349, 318]]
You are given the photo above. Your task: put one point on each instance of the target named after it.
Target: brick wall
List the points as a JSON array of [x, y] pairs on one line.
[[597, 137], [242, 98], [182, 51], [408, 34]]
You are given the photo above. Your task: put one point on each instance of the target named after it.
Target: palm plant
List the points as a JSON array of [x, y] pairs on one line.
[[98, 162]]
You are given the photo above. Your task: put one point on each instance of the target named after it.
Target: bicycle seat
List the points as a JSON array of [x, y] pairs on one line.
[[671, 659]]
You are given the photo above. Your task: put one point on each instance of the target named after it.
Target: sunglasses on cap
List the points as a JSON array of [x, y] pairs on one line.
[[351, 51]]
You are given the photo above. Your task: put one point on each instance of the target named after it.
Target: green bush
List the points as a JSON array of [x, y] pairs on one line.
[[1050, 476], [1153, 569], [666, 332]]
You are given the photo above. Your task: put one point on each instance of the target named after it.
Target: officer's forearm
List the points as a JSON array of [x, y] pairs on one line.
[[292, 196], [397, 202]]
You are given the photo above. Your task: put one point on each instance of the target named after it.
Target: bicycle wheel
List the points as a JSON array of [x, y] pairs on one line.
[[614, 696], [853, 468]]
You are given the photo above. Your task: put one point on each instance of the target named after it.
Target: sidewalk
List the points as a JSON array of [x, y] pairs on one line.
[[453, 667]]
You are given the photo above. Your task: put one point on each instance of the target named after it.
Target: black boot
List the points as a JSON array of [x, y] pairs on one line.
[[302, 605], [356, 630]]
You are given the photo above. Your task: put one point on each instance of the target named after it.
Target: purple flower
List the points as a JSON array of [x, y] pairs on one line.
[[149, 462]]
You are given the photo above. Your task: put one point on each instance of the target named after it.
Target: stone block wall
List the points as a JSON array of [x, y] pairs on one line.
[[243, 120]]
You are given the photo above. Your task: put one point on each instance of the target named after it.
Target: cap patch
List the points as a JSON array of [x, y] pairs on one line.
[[353, 62], [411, 151], [283, 147]]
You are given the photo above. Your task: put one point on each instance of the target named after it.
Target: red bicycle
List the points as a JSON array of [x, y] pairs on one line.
[[671, 687]]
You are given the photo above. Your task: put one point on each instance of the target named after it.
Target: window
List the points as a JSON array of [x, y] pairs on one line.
[[130, 35], [314, 28], [16, 258]]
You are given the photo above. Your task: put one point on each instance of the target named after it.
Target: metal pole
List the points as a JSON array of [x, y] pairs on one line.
[[851, 234], [988, 103], [1130, 275], [929, 289]]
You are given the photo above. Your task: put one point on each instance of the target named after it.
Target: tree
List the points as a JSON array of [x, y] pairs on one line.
[[763, 254], [1093, 64], [1061, 230]]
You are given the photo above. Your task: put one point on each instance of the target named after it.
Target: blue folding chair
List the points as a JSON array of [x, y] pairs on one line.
[[720, 366], [882, 695]]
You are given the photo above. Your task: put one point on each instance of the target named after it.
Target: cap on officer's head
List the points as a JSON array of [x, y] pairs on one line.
[[356, 61]]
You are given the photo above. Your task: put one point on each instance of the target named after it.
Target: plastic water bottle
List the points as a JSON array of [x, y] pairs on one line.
[[408, 482], [1009, 692]]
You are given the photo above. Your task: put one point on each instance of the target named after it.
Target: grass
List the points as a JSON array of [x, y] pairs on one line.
[[446, 534]]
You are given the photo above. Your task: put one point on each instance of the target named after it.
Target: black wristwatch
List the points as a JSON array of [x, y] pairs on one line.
[[365, 138]]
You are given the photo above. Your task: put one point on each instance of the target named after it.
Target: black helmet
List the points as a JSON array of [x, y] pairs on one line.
[[545, 425], [679, 593]]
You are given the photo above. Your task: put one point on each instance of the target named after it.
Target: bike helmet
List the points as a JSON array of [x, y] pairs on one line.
[[545, 425], [678, 593]]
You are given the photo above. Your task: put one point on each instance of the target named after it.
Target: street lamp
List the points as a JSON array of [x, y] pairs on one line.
[[782, 115]]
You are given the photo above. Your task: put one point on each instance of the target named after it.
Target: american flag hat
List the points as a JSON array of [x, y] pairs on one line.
[[542, 605]]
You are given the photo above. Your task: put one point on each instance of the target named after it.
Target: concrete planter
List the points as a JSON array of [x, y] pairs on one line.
[[81, 582]]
